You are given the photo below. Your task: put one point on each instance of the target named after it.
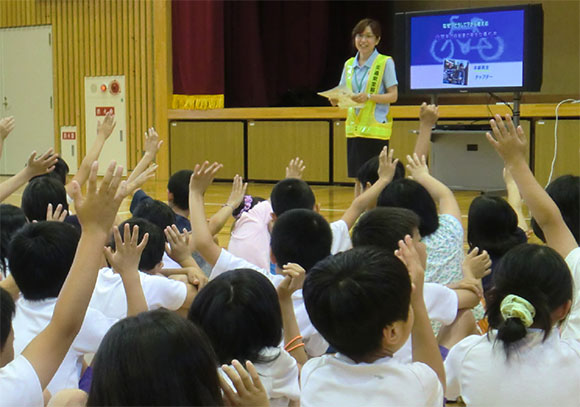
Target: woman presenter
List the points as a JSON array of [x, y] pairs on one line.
[[371, 77]]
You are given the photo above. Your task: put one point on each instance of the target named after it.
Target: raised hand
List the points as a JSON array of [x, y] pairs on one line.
[[134, 184], [177, 246], [295, 168], [238, 191], [97, 210], [152, 143], [417, 167], [509, 142], [41, 165], [58, 215], [127, 254], [428, 114], [387, 165], [407, 253], [203, 176], [477, 264], [7, 124], [294, 276], [249, 390], [106, 127]]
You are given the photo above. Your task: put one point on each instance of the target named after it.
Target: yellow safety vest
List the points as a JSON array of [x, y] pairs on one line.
[[364, 124]]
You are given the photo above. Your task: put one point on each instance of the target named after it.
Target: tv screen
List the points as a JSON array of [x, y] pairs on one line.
[[473, 50]]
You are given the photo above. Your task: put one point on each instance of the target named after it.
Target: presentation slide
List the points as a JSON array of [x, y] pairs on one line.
[[468, 50]]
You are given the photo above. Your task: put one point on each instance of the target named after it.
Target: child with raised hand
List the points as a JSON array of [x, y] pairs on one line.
[[366, 302], [522, 361], [241, 315], [511, 144], [23, 379]]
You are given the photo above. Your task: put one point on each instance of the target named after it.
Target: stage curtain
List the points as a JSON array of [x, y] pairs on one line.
[[198, 56]]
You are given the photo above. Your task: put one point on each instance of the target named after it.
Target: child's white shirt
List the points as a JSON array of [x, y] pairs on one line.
[[441, 303], [33, 316], [335, 380], [279, 377], [160, 292], [537, 373], [313, 342], [19, 385], [571, 328]]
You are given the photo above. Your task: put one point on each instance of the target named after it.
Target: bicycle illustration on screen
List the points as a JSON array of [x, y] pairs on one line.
[[488, 48]]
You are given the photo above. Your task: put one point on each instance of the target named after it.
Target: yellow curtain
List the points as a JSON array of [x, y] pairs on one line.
[[197, 102]]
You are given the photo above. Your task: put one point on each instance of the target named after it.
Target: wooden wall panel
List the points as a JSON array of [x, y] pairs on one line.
[[568, 158], [101, 38]]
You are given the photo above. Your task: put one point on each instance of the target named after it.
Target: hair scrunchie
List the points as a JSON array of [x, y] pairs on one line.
[[514, 306]]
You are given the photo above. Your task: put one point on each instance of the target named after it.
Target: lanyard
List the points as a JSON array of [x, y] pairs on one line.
[[362, 77]]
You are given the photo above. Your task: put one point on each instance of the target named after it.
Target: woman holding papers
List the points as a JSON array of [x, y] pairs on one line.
[[371, 78]]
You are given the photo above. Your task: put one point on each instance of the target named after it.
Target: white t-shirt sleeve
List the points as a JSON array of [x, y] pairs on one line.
[[94, 328], [19, 384], [453, 364], [340, 237], [441, 303], [285, 377], [227, 261], [571, 328], [432, 388], [390, 75], [163, 292]]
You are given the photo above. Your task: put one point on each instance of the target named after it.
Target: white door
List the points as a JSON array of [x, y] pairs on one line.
[[26, 93]]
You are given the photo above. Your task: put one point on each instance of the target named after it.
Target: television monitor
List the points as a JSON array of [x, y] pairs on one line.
[[494, 49]]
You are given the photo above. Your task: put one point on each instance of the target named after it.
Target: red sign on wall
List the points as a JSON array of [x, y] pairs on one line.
[[103, 110], [69, 135]]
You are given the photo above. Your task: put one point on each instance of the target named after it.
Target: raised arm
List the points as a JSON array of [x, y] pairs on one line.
[[294, 276], [428, 116], [96, 213], [104, 130], [125, 261], [425, 348], [6, 126], [514, 199], [201, 179], [440, 193], [386, 171], [34, 167], [219, 219], [510, 143], [151, 146]]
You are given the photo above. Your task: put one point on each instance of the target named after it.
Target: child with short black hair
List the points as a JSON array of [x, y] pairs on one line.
[[362, 302]]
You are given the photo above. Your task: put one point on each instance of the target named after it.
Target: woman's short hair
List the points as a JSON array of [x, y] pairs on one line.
[[367, 22], [240, 313], [155, 358], [539, 275]]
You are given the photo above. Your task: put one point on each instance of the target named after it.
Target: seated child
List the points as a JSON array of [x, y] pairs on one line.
[[12, 218], [361, 301], [250, 238], [240, 313], [299, 236], [40, 257], [23, 379], [160, 292]]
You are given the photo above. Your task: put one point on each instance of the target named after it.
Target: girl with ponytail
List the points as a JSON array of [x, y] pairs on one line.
[[522, 360]]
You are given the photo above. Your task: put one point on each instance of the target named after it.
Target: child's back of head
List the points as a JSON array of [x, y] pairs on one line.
[[409, 194], [300, 236], [565, 192], [492, 225], [40, 256], [156, 212], [240, 313], [153, 252], [7, 310], [39, 193], [12, 218], [384, 227], [353, 296], [178, 187], [291, 193], [539, 276], [155, 358], [368, 172]]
